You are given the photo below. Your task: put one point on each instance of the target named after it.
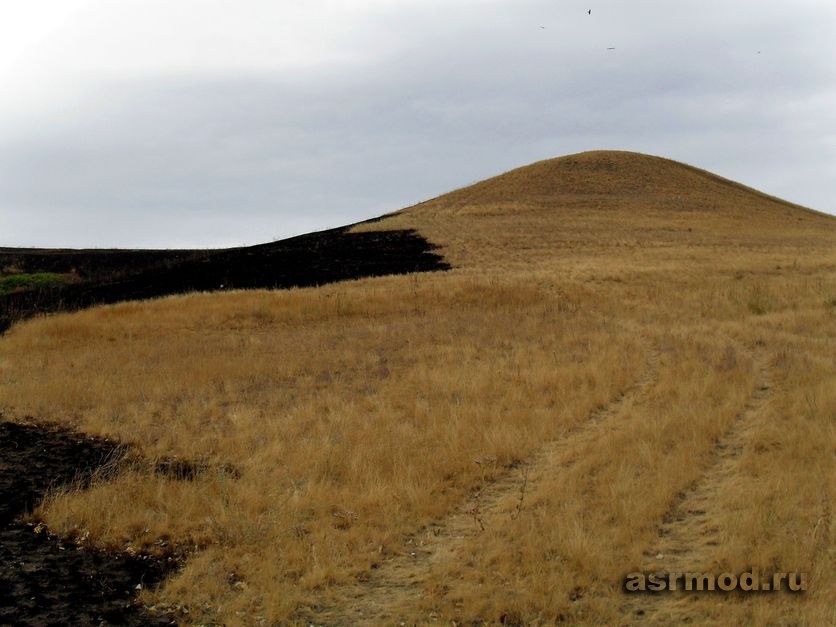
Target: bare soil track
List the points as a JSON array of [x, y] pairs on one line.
[[686, 536], [45, 580], [397, 584]]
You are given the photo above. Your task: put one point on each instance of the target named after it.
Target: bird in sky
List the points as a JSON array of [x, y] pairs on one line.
[[590, 11], [610, 48]]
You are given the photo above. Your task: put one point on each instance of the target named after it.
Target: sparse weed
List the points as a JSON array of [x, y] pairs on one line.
[[758, 302], [27, 281]]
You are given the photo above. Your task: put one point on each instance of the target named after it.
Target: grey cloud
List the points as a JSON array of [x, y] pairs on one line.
[[214, 160]]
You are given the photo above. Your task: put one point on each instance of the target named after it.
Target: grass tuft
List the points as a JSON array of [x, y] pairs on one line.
[[30, 281]]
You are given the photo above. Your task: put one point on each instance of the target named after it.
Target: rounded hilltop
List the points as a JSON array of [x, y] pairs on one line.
[[611, 179], [624, 205]]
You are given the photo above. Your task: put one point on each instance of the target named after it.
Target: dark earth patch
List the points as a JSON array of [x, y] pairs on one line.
[[34, 458], [45, 580], [109, 276], [187, 470]]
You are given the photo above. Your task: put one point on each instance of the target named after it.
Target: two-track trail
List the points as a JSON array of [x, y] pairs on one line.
[[688, 535], [398, 583]]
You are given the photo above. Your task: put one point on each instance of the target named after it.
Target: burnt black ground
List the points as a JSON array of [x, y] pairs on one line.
[[109, 276], [44, 579], [35, 458]]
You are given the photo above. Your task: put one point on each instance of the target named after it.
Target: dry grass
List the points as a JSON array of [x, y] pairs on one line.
[[356, 412]]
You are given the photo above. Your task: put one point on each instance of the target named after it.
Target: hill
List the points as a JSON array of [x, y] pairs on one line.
[[628, 368], [613, 179], [608, 198]]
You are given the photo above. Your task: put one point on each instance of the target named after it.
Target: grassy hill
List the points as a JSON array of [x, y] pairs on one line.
[[628, 368]]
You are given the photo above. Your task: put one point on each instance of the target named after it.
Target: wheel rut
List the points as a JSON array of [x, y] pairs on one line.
[[688, 534], [398, 583]]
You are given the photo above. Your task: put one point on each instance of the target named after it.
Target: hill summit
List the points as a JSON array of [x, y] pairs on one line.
[[636, 210], [611, 179]]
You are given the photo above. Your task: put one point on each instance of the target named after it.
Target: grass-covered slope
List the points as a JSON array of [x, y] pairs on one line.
[[629, 367]]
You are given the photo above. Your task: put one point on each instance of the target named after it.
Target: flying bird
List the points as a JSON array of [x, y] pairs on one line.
[[590, 11], [610, 48]]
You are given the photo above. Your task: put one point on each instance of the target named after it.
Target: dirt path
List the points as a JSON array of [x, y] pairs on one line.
[[398, 583], [688, 534]]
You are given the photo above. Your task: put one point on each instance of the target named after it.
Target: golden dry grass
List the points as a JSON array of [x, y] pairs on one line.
[[357, 412]]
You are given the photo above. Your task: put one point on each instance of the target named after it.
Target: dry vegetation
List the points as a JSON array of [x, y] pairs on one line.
[[625, 344]]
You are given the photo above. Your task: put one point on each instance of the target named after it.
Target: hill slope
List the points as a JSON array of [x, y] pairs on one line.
[[614, 179], [628, 368], [637, 210]]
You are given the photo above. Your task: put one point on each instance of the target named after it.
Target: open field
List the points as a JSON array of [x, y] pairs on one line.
[[629, 367]]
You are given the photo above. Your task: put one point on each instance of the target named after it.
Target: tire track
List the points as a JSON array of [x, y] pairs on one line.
[[398, 583], [688, 534]]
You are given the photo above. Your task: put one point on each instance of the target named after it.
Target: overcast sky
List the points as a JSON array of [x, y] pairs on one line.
[[161, 123]]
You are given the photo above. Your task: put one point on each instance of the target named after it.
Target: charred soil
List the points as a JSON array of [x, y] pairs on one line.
[[45, 579], [107, 276]]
